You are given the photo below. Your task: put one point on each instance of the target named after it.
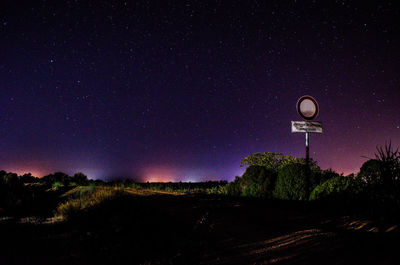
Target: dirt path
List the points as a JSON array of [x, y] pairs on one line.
[[166, 229]]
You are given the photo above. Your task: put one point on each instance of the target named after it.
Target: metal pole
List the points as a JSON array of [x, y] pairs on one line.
[[308, 171], [307, 150]]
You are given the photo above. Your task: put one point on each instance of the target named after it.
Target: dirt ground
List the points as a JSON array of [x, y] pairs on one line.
[[164, 229]]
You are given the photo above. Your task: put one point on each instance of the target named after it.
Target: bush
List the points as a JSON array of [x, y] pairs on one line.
[[382, 179], [258, 181], [337, 188], [326, 175], [233, 188], [217, 190], [56, 185], [371, 172], [292, 182]]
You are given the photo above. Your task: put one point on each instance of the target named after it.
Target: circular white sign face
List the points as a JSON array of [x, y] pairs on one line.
[[307, 107]]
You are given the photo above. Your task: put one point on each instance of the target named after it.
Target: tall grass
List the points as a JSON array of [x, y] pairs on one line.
[[89, 199]]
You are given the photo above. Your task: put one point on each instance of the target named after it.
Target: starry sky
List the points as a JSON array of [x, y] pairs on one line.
[[183, 90]]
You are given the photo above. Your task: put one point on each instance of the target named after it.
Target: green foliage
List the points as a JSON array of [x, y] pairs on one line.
[[257, 181], [57, 185], [337, 188], [262, 170], [217, 190], [272, 160], [292, 182], [178, 187], [233, 188], [326, 175]]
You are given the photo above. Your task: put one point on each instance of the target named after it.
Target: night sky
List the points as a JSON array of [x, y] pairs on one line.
[[183, 90]]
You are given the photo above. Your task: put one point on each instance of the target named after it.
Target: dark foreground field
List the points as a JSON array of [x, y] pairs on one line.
[[199, 229]]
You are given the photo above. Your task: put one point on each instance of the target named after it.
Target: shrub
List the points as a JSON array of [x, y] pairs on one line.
[[258, 181], [326, 175], [56, 185], [293, 182], [217, 190], [371, 172], [337, 188], [382, 179], [233, 188]]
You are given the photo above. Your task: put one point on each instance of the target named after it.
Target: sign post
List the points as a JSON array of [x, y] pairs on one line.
[[308, 109], [307, 151]]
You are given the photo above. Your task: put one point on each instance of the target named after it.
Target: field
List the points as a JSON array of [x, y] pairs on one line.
[[117, 225]]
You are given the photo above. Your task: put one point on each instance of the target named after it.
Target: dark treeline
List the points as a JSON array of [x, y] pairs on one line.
[[186, 187], [20, 191], [374, 190]]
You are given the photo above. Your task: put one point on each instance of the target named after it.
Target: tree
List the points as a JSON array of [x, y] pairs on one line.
[[57, 177], [28, 178], [80, 178]]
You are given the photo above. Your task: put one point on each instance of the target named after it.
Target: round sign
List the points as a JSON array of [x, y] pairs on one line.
[[307, 107]]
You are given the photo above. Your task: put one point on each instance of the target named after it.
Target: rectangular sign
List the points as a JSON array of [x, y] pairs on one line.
[[307, 126]]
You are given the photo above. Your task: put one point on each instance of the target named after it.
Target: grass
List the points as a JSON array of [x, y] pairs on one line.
[[83, 198], [144, 226]]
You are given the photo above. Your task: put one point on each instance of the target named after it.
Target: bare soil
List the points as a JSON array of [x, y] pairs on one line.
[[166, 229]]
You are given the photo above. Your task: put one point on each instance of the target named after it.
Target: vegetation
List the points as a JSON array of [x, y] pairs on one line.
[[257, 181], [267, 175], [77, 205], [169, 218], [11, 190], [272, 160], [273, 175], [169, 223], [338, 188], [293, 182], [381, 177], [63, 179]]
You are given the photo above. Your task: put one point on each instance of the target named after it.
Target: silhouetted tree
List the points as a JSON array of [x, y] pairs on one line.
[[80, 179], [56, 177], [28, 178]]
